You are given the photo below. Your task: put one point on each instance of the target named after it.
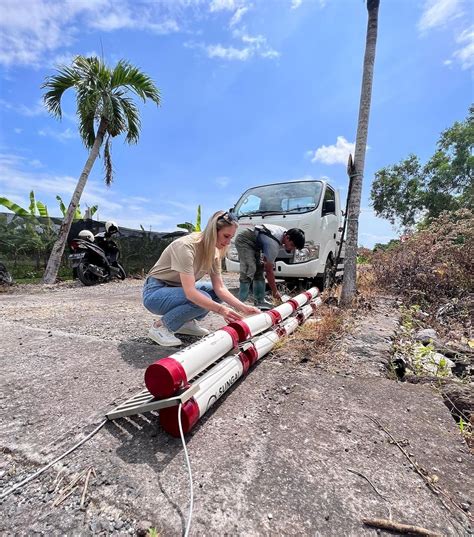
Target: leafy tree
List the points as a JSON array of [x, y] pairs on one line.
[[349, 284], [408, 192], [105, 110]]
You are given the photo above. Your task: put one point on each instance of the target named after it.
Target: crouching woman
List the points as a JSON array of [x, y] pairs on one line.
[[172, 288]]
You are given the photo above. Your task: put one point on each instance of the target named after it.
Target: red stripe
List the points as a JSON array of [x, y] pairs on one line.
[[233, 334], [189, 416], [275, 315], [293, 303], [241, 328]]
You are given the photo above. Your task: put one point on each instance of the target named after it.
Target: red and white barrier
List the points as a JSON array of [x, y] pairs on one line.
[[215, 382], [168, 375]]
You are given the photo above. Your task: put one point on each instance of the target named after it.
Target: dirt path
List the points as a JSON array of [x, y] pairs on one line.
[[276, 456]]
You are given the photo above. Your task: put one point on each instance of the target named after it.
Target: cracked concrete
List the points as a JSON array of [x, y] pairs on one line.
[[273, 457]]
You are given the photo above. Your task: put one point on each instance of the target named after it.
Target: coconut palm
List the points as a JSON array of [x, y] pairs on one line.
[[349, 285], [105, 109]]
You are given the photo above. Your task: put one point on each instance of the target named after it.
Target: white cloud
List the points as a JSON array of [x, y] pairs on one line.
[[31, 31], [29, 111], [237, 16], [295, 4], [222, 5], [222, 182], [62, 136], [437, 13], [334, 154], [255, 46], [228, 53], [465, 54]]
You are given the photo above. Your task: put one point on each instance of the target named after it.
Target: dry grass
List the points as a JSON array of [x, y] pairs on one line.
[[316, 335]]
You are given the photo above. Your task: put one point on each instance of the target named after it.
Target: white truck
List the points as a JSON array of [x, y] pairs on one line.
[[313, 206]]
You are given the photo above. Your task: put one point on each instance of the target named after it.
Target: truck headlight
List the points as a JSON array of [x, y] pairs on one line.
[[308, 253], [232, 253]]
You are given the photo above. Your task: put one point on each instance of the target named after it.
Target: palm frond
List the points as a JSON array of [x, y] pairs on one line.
[[66, 78], [136, 80], [133, 120], [109, 172], [116, 123]]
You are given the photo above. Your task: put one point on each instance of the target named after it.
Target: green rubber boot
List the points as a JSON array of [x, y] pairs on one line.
[[244, 291], [259, 295]]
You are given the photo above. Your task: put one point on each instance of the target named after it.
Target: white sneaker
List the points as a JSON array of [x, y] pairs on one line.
[[163, 336], [191, 328]]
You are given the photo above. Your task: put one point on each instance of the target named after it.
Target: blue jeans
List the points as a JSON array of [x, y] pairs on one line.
[[172, 304]]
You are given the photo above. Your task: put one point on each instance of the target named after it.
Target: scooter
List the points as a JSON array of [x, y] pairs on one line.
[[96, 264]]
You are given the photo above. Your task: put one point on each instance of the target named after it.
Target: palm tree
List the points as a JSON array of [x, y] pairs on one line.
[[349, 284], [103, 103]]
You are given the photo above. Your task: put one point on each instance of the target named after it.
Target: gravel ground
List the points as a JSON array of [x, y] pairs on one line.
[[275, 456]]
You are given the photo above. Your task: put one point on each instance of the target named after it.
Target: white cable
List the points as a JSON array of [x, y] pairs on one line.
[[191, 502], [39, 472]]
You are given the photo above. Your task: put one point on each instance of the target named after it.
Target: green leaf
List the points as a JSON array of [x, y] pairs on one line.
[[32, 204], [62, 207], [42, 209], [187, 226], [19, 211], [198, 219]]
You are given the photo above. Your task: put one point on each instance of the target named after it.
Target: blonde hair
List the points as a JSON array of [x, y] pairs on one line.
[[207, 239]]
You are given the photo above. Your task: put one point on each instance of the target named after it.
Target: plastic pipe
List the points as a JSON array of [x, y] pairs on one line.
[[168, 375], [251, 326], [215, 382]]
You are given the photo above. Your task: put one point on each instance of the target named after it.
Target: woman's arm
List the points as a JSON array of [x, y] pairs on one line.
[[224, 294], [188, 283]]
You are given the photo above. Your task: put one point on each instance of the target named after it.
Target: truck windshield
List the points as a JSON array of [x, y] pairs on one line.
[[281, 198]]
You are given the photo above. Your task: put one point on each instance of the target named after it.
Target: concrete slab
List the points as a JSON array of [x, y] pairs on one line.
[[271, 458]]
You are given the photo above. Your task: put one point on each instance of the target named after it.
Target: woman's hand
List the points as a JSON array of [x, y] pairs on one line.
[[249, 310], [229, 314]]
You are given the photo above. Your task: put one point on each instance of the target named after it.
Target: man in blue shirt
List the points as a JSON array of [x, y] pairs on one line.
[[258, 249]]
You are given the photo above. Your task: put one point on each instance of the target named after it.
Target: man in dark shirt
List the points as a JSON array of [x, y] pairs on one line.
[[264, 242]]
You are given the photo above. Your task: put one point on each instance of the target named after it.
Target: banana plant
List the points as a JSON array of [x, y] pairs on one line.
[[77, 215], [192, 227]]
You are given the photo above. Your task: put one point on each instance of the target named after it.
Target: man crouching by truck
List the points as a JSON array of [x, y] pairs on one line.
[[258, 248]]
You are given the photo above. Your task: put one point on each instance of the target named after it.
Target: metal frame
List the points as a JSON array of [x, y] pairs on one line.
[[144, 401]]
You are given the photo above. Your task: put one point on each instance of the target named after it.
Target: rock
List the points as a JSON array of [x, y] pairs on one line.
[[436, 364], [426, 335], [142, 527]]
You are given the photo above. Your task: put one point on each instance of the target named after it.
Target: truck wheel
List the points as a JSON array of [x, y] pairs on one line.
[[327, 279]]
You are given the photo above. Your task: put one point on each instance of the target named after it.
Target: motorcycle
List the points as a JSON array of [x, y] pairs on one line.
[[5, 276], [96, 261]]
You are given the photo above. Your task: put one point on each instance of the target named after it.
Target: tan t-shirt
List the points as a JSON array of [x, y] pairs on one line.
[[181, 256]]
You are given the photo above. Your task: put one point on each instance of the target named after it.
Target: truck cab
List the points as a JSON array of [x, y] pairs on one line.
[[313, 206]]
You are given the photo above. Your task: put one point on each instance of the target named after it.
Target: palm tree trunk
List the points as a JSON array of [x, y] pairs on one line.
[[51, 272], [349, 284]]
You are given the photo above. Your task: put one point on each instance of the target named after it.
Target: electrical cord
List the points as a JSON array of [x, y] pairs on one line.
[[42, 470], [191, 490]]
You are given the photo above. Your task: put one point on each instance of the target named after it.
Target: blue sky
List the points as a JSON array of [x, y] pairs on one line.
[[253, 92]]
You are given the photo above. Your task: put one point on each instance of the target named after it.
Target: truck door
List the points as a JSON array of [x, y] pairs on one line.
[[329, 223]]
